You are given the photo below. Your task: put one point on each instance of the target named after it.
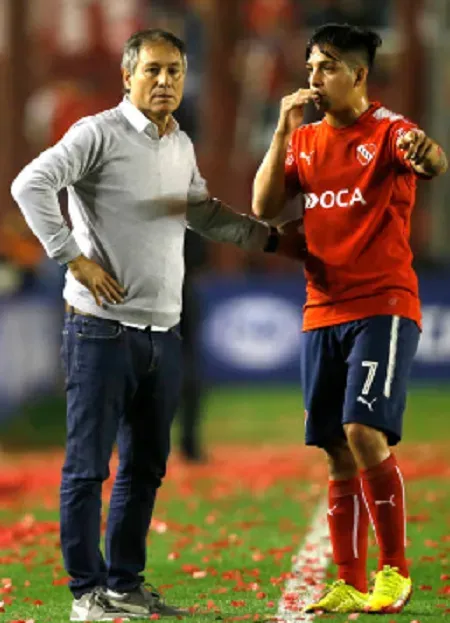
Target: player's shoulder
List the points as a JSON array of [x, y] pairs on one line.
[[386, 119], [304, 133], [308, 129]]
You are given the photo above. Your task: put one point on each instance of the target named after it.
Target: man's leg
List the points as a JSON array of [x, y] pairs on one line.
[[379, 361], [144, 445], [93, 355], [324, 379]]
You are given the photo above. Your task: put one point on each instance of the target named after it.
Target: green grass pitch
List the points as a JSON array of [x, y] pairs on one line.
[[225, 534]]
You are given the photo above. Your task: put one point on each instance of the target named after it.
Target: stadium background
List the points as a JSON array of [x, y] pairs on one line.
[[59, 61]]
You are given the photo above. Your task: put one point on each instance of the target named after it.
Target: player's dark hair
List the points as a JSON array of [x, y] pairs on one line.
[[346, 38]]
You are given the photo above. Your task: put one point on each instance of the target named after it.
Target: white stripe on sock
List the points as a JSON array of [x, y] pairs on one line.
[[355, 525], [402, 482]]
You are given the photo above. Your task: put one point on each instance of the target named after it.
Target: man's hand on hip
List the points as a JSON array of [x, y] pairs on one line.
[[96, 280]]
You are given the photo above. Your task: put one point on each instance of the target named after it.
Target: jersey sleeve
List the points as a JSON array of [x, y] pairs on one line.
[[291, 176], [399, 129]]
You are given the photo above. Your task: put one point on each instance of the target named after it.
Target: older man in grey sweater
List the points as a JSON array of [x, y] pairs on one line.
[[133, 187]]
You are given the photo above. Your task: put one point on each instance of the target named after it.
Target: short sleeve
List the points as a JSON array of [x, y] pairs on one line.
[[291, 177]]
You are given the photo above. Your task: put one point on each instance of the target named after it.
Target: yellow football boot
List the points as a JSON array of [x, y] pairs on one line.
[[391, 591], [340, 597]]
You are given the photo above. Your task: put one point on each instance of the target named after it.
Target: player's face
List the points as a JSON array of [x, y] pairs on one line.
[[332, 80], [156, 86]]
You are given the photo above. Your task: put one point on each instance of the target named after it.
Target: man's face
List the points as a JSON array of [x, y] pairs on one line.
[[331, 78], [156, 86]]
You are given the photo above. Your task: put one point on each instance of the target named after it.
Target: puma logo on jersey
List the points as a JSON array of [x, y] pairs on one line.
[[329, 199], [369, 404], [303, 155], [366, 153]]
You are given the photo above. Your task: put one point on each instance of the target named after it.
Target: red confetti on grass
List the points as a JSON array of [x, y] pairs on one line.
[[173, 556], [198, 575], [61, 581], [255, 469], [219, 591]]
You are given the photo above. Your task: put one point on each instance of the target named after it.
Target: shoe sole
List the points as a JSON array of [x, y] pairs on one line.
[[128, 612], [392, 609], [352, 610]]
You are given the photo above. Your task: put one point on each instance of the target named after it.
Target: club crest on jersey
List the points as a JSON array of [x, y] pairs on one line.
[[366, 153], [343, 198]]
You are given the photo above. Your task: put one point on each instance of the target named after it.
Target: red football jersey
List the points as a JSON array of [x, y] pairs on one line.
[[359, 193]]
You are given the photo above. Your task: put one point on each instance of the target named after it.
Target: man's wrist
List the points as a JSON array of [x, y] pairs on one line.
[[73, 261], [282, 136], [439, 160]]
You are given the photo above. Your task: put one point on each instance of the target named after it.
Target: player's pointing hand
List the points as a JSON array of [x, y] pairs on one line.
[[424, 154], [416, 144], [292, 110]]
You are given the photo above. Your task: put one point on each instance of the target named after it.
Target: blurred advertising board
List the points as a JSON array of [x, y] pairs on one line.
[[30, 330], [251, 329]]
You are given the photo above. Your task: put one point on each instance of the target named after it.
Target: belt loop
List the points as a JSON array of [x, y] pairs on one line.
[[70, 310]]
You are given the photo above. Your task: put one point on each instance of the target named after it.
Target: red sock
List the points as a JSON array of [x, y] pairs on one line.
[[348, 521], [384, 491]]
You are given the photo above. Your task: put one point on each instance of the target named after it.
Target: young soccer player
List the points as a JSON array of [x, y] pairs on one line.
[[358, 171]]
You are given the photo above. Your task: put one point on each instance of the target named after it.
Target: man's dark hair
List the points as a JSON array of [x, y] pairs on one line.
[[346, 38], [134, 44]]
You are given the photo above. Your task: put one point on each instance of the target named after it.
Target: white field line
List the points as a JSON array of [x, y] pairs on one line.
[[309, 569]]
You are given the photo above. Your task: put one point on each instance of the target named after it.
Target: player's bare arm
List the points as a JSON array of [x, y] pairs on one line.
[[425, 155], [269, 192]]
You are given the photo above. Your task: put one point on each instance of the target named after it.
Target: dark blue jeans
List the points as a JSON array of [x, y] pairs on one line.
[[122, 385]]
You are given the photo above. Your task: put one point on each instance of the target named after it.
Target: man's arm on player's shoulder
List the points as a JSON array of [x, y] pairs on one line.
[[422, 153]]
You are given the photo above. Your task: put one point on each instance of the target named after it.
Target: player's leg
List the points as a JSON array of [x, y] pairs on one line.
[[144, 445], [380, 359], [94, 359], [348, 519], [323, 379]]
